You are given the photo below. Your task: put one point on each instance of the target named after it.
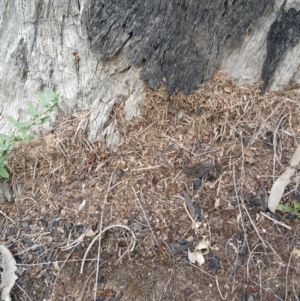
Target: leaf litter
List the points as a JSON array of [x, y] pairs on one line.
[[188, 167]]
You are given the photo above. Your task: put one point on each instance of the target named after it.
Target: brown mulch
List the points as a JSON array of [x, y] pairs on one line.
[[147, 187]]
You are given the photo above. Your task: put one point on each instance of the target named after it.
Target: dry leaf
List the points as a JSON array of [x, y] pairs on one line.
[[228, 89], [82, 205], [197, 256], [8, 275], [296, 252], [283, 180], [56, 265], [217, 203], [90, 233]]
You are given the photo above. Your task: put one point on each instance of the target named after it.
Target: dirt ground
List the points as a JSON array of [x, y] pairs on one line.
[[153, 201]]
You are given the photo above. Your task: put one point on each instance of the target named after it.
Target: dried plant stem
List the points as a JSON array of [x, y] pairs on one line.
[[97, 237], [276, 222], [145, 215], [98, 259]]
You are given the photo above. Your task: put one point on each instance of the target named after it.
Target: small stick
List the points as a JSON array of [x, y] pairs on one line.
[[98, 257], [145, 215], [146, 168], [97, 236], [7, 216], [276, 222]]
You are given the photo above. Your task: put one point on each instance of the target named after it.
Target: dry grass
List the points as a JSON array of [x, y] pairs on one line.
[[249, 137]]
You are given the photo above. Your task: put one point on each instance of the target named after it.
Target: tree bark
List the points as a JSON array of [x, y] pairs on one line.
[[101, 52]]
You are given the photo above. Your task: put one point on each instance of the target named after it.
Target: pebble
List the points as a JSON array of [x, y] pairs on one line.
[[53, 223], [28, 242], [40, 249], [68, 226], [12, 231], [239, 262], [137, 227], [232, 272], [79, 229], [25, 226]]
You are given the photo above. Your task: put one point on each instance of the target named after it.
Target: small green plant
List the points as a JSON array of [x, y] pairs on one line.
[[294, 208], [49, 102]]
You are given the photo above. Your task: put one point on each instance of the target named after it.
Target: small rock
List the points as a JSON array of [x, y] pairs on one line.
[[79, 229], [12, 231], [68, 226], [25, 226], [137, 227], [239, 262], [214, 264], [45, 223], [27, 242], [173, 246], [187, 291], [53, 223], [40, 249]]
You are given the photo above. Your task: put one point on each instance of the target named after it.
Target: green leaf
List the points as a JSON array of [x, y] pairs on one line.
[[5, 137], [44, 119], [32, 110], [12, 120], [285, 208], [43, 100], [50, 94], [3, 146], [3, 172], [17, 124], [24, 136], [296, 205], [24, 124], [30, 106]]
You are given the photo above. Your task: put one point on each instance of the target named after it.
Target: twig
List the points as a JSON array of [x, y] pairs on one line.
[[165, 288], [146, 168], [237, 197], [7, 216], [275, 145], [287, 270], [144, 130], [24, 292], [190, 205], [96, 237], [223, 298], [98, 258], [276, 222], [144, 215], [107, 191], [179, 144]]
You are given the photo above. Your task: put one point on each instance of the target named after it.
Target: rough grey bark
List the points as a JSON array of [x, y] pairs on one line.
[[40, 41], [122, 44], [184, 42], [180, 41]]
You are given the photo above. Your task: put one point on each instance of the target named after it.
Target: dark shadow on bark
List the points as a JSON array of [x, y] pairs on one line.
[[283, 33], [180, 41]]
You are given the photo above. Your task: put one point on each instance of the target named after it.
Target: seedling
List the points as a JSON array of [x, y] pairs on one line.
[[294, 208], [49, 102]]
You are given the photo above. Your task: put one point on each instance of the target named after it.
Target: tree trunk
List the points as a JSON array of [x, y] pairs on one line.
[[100, 52]]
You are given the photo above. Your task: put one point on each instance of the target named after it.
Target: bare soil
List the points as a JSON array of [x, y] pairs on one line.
[[73, 188]]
